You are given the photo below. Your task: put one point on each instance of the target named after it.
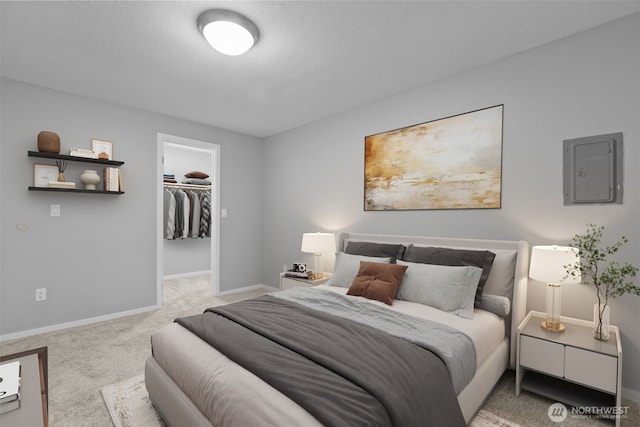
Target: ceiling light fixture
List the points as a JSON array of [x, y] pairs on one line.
[[227, 31]]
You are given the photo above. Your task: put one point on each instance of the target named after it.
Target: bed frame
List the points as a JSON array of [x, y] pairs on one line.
[[175, 407]]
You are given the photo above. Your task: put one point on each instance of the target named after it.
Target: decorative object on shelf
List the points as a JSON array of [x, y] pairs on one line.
[[103, 148], [317, 244], [62, 184], [90, 178], [62, 165], [81, 152], [548, 265], [111, 179], [43, 174], [449, 163], [49, 142], [610, 280]]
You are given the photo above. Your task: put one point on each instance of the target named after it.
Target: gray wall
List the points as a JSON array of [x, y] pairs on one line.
[[99, 257], [583, 85]]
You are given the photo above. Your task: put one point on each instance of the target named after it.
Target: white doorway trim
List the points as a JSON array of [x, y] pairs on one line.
[[215, 209]]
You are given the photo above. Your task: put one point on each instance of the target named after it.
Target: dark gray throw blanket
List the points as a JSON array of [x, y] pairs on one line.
[[343, 373]]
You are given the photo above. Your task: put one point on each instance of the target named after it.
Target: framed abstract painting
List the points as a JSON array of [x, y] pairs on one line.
[[450, 163]]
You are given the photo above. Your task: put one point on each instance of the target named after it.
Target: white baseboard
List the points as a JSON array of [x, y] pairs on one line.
[[83, 322], [189, 274], [634, 395], [249, 288]]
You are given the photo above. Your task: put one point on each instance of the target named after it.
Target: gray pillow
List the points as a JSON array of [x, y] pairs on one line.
[[496, 304], [391, 250], [347, 266], [453, 257], [196, 181], [448, 288]]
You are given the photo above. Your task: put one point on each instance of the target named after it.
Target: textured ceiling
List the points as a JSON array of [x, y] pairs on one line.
[[314, 59]]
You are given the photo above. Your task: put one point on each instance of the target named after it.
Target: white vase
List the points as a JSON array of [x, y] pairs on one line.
[[601, 322], [89, 178]]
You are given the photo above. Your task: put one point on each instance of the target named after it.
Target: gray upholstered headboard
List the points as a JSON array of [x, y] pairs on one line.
[[511, 262]]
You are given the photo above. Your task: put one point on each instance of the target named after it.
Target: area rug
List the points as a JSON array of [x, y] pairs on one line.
[[129, 406]]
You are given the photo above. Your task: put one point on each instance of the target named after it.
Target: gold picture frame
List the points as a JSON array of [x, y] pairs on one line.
[[43, 173], [102, 145]]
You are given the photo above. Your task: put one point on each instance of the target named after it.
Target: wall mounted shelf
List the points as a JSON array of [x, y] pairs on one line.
[[74, 190], [74, 159]]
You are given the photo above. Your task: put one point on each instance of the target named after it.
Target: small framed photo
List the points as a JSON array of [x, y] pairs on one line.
[[102, 146], [42, 174]]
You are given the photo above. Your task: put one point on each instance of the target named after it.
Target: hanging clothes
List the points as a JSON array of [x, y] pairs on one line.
[[205, 214], [179, 228], [194, 218], [169, 214], [187, 214]]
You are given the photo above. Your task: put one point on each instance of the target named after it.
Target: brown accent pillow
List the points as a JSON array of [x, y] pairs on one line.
[[196, 174], [377, 281]]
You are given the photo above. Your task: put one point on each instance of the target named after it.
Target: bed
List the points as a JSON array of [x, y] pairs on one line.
[[192, 383]]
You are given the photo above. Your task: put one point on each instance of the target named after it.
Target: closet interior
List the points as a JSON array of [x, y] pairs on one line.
[[187, 215]]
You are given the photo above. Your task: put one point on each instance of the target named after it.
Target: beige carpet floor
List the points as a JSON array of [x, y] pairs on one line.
[[85, 359]]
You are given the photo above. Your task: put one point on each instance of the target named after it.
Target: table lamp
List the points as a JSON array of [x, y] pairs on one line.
[[317, 244], [548, 264]]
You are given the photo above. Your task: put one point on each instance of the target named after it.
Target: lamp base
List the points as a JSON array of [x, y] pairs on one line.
[[552, 326]]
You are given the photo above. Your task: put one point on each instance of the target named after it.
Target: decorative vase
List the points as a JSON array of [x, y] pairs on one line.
[[48, 142], [601, 315], [89, 178], [60, 177]]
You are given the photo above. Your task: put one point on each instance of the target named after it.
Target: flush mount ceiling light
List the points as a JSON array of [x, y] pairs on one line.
[[227, 31]]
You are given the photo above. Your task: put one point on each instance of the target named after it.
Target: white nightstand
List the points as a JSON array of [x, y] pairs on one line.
[[295, 282], [571, 367]]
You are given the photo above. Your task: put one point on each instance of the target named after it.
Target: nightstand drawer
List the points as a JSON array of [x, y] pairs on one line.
[[590, 368], [541, 355], [287, 283]]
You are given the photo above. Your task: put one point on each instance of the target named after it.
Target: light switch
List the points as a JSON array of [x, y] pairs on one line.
[[55, 210]]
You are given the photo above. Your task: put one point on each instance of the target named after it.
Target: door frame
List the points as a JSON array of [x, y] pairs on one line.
[[215, 209]]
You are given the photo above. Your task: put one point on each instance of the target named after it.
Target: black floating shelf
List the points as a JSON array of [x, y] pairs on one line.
[[76, 159], [74, 190]]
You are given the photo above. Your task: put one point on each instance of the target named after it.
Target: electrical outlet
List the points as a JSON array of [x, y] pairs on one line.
[[41, 294], [55, 210]]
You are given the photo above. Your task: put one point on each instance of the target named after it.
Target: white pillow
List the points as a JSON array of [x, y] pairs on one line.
[[347, 266], [450, 289]]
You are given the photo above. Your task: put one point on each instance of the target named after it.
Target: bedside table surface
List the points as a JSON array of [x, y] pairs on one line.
[[575, 335]]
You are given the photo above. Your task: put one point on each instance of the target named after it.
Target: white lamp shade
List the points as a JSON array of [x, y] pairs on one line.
[[318, 243], [548, 264]]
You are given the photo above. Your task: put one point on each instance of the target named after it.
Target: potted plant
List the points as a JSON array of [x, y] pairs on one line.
[[610, 278]]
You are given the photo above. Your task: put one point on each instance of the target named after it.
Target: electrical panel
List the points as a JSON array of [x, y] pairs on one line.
[[592, 169]]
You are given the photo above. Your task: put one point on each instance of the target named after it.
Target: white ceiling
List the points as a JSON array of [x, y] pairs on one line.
[[314, 59]]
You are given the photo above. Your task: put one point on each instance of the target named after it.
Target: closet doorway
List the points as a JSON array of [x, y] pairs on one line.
[[188, 256]]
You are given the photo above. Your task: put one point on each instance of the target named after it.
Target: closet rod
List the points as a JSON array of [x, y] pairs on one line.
[[186, 186]]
